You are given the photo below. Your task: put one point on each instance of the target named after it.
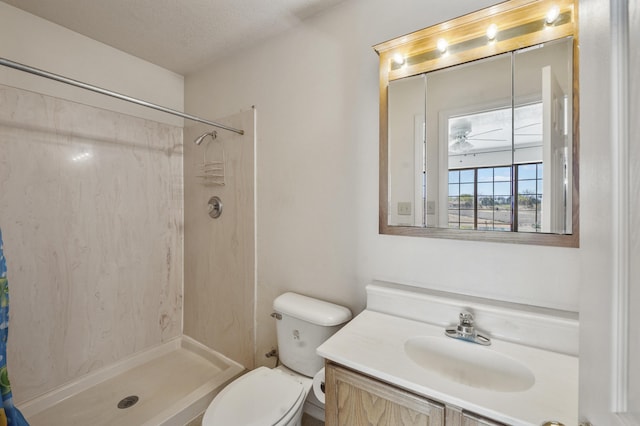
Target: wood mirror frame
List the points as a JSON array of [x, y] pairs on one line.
[[522, 23]]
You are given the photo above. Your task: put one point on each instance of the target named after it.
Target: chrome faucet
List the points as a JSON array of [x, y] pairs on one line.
[[466, 331]]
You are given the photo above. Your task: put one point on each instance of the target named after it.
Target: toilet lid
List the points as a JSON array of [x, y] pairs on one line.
[[260, 397]]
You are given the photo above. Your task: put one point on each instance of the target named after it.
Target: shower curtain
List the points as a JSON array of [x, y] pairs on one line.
[[9, 414]]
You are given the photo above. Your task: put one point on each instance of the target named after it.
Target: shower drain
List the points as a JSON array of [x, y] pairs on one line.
[[127, 402]]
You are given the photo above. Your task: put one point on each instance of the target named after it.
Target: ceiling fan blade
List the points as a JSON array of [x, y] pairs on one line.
[[527, 125], [472, 135], [487, 140]]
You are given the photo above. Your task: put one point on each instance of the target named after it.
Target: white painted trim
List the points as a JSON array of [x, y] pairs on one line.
[[419, 157], [621, 204], [254, 141]]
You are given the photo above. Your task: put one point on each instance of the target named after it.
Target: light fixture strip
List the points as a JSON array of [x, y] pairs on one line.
[[441, 45], [424, 53]]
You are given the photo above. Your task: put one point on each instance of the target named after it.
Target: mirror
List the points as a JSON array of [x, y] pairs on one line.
[[482, 146]]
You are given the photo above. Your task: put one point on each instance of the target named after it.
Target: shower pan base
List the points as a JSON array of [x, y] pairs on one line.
[[173, 383]]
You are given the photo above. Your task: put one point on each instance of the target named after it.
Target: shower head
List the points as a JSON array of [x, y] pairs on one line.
[[200, 138]]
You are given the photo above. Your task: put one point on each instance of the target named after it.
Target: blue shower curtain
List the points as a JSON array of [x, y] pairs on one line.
[[9, 414]]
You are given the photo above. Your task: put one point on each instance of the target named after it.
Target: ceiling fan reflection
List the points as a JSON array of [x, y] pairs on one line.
[[462, 136]]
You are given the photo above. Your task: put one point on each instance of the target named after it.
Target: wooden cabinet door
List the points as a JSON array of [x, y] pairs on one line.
[[356, 400]]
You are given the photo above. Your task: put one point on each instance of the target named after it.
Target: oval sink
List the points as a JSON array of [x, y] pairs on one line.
[[469, 364]]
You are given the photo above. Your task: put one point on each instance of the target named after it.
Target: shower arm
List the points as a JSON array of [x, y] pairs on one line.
[[80, 84]]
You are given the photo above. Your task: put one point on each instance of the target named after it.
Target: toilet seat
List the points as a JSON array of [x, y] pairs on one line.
[[259, 398]]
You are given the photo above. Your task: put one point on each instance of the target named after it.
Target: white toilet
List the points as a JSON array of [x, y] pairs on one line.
[[276, 397]]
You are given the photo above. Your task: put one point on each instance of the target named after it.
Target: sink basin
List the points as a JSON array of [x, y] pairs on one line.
[[469, 363]]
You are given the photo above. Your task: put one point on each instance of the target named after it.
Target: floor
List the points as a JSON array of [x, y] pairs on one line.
[[307, 420]]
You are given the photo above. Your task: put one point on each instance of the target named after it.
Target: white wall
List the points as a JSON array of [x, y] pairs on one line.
[[316, 93], [30, 40]]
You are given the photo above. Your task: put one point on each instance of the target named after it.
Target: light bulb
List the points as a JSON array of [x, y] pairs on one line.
[[492, 31], [398, 59], [552, 15], [442, 45]]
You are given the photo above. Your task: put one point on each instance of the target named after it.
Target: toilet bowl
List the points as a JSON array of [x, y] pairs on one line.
[[276, 397], [264, 396]]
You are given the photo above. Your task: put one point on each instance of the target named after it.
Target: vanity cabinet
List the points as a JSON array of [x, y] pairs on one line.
[[353, 399]]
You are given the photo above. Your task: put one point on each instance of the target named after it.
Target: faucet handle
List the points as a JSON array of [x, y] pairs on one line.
[[466, 331], [466, 318]]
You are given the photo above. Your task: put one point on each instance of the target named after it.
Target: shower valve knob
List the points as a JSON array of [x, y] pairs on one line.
[[215, 207]]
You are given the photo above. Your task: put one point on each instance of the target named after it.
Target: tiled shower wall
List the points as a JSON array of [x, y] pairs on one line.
[[219, 283], [91, 215]]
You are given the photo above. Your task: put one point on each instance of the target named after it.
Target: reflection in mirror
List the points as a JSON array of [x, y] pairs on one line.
[[543, 77], [469, 122], [407, 152], [484, 145]]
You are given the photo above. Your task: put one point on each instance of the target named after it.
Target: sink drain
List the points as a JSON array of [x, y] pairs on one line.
[[127, 402]]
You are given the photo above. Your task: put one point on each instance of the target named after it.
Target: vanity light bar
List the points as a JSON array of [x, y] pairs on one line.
[[516, 24], [509, 33]]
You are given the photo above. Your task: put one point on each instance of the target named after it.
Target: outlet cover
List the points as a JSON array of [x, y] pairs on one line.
[[431, 207], [404, 208]]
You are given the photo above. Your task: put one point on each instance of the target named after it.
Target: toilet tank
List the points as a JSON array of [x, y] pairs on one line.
[[302, 325]]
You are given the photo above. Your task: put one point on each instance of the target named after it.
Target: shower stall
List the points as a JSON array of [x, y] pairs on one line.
[[101, 213]]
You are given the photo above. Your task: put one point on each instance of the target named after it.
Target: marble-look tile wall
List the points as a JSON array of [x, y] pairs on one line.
[[219, 254], [91, 214]]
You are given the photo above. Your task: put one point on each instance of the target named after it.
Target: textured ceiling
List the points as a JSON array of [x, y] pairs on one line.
[[180, 35]]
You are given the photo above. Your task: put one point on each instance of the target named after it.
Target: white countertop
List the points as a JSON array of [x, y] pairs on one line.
[[373, 343]]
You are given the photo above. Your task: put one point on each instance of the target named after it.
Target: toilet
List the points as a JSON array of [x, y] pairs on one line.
[[276, 397]]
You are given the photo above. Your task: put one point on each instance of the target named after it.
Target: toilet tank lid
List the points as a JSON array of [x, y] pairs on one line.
[[311, 310]]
